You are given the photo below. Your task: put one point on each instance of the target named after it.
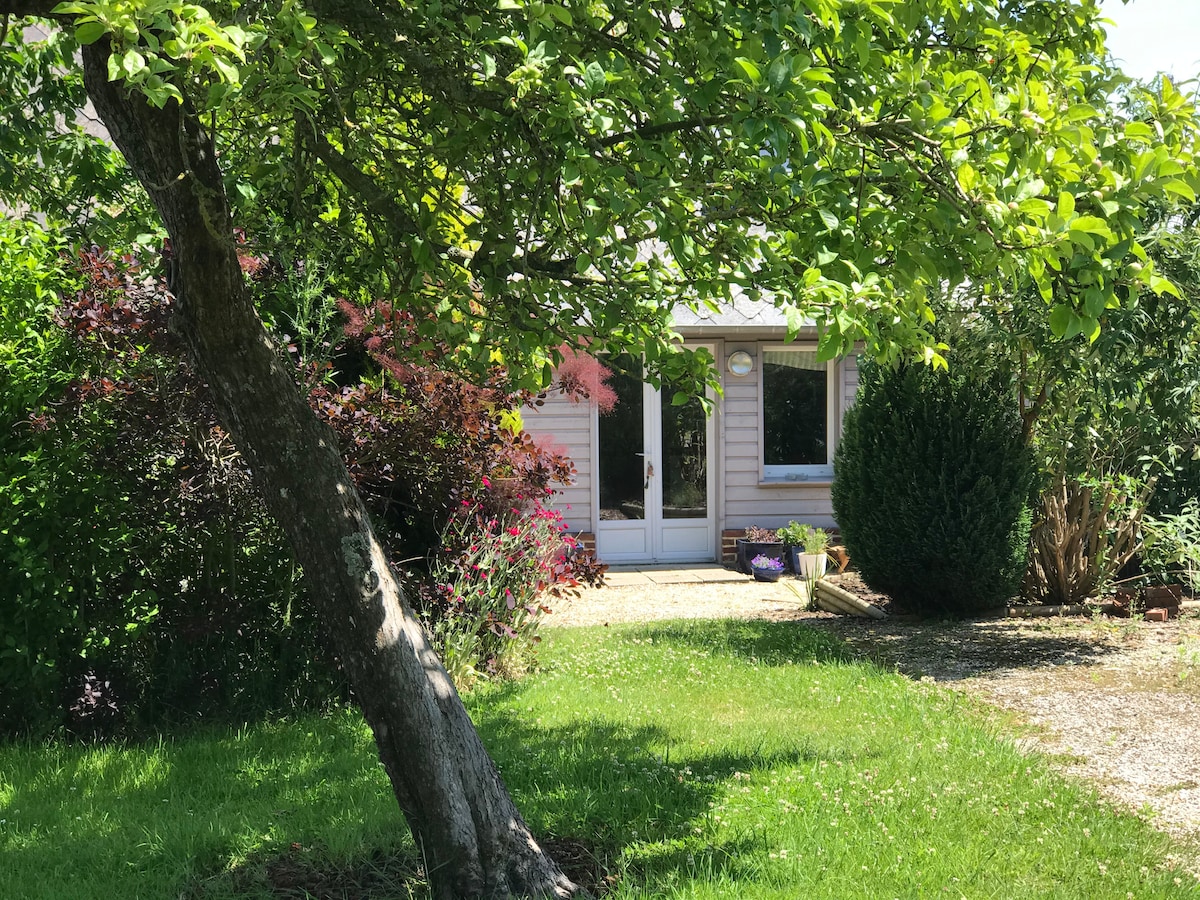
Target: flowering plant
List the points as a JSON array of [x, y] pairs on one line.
[[492, 574], [767, 562]]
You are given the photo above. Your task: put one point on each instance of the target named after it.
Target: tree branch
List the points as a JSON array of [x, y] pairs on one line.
[[662, 128], [367, 21], [380, 202], [374, 196]]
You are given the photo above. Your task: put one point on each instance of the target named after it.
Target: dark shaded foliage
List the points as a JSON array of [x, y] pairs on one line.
[[155, 588], [150, 586]]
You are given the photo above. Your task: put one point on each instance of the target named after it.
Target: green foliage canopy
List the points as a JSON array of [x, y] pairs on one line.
[[527, 172]]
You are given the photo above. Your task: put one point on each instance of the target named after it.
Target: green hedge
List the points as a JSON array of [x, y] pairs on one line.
[[128, 603], [932, 489]]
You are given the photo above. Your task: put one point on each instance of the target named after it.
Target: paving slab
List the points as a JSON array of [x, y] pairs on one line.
[[632, 576]]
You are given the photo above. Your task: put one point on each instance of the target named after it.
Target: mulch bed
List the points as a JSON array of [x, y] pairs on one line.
[[851, 581]]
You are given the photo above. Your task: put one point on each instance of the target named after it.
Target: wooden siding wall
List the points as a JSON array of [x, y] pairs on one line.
[[743, 499], [563, 424], [747, 500], [849, 370]]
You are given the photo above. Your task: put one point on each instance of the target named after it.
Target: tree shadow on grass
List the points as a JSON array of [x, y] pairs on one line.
[[955, 650], [608, 807], [941, 649], [616, 796], [757, 641], [637, 807], [307, 873]]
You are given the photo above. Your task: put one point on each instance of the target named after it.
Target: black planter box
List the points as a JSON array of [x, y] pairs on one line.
[[747, 550]]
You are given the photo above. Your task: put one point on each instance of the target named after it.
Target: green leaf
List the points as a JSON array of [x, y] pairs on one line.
[[1161, 286], [1139, 131], [133, 63], [1035, 206], [1080, 112], [1181, 189], [90, 32], [1066, 204], [1091, 224], [748, 66], [562, 14], [1060, 319], [779, 75], [1094, 302], [594, 77]]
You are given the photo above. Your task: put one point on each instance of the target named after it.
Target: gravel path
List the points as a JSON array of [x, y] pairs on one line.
[[1117, 701]]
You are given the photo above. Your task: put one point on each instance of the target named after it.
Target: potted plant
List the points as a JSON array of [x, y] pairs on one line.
[[757, 542], [766, 568], [812, 562], [794, 534]]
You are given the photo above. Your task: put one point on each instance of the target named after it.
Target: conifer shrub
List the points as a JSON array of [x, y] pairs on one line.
[[932, 489]]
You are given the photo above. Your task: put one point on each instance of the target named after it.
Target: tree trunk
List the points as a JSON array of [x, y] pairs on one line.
[[467, 828]]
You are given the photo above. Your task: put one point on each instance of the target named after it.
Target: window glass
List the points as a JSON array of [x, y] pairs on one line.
[[795, 398]]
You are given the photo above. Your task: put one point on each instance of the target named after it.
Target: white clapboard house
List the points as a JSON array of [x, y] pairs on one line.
[[659, 483]]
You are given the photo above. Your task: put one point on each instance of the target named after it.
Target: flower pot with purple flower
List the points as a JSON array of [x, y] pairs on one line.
[[766, 568]]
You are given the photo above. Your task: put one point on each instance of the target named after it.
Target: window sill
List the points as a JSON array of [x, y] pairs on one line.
[[814, 481]]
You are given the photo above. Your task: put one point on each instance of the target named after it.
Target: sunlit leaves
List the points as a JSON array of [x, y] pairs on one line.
[[567, 170], [157, 40]]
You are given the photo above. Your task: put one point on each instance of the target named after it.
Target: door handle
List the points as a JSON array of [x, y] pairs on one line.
[[649, 475]]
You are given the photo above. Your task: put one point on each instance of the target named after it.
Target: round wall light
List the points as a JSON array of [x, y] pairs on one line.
[[740, 363]]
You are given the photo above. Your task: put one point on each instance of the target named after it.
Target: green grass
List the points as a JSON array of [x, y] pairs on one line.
[[703, 759], [202, 814]]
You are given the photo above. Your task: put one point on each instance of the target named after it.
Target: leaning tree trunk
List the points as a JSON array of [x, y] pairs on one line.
[[473, 839]]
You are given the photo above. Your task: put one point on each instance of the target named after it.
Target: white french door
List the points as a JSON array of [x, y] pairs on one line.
[[654, 475]]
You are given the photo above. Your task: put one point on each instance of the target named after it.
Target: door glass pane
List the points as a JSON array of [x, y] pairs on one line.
[[684, 458], [622, 463]]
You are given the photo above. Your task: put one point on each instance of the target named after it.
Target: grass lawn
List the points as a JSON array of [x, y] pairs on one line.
[[700, 759]]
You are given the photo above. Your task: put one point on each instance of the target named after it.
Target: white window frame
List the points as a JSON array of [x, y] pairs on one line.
[[798, 474]]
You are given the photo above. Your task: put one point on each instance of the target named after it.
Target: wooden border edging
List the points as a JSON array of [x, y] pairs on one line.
[[836, 599]]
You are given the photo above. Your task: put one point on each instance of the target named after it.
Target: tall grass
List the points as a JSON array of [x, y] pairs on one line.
[[701, 759]]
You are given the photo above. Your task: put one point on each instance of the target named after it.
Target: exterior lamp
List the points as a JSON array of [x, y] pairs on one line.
[[740, 363]]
